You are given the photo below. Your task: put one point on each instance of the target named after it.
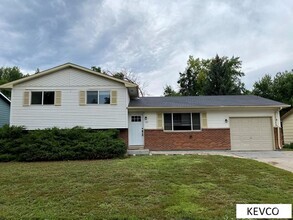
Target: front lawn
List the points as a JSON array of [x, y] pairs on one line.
[[148, 187]]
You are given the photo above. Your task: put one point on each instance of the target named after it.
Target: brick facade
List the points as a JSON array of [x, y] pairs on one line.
[[276, 137], [123, 134], [207, 139]]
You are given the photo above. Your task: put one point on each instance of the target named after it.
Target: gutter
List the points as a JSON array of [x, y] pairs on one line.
[[201, 107], [278, 132]]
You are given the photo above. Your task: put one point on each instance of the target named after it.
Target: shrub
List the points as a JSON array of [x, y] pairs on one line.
[[288, 146], [53, 144]]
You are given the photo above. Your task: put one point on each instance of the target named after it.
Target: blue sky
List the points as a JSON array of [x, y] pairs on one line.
[[153, 39]]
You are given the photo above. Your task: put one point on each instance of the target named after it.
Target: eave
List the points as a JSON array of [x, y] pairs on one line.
[[61, 67], [208, 107]]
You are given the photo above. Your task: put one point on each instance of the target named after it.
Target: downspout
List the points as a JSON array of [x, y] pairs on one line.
[[278, 129]]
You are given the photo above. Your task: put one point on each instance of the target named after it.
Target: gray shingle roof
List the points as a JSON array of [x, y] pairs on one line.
[[203, 101]]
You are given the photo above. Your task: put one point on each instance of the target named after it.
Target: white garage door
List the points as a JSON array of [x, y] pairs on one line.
[[251, 134]]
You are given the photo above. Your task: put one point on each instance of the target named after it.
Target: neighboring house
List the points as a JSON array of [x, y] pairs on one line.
[[287, 121], [4, 110], [70, 95]]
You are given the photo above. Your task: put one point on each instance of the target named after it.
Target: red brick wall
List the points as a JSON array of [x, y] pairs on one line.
[[124, 135], [207, 139]]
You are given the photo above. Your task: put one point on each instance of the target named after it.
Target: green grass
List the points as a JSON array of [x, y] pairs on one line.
[[149, 187]]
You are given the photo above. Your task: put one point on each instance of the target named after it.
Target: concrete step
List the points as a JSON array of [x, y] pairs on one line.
[[136, 147], [138, 152]]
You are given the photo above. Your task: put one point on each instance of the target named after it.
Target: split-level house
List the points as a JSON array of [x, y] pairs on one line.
[[70, 95]]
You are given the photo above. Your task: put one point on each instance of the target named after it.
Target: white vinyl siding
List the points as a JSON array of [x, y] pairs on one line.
[[69, 77], [216, 118], [288, 129], [70, 113], [252, 133]]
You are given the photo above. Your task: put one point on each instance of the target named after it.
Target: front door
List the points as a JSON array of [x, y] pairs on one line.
[[136, 132]]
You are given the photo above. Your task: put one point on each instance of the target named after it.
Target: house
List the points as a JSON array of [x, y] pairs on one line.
[[4, 109], [287, 121], [70, 95]]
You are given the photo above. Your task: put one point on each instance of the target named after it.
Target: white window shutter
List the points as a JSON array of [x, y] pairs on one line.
[[81, 97], [113, 97], [26, 98], [159, 121], [204, 121], [57, 98]]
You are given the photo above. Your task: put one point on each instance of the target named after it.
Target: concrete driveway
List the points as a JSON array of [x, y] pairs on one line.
[[281, 159]]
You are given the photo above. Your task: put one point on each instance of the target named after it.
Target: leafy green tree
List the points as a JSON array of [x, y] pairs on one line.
[[97, 69], [216, 76], [283, 87], [169, 91], [264, 87], [9, 74], [224, 77], [192, 80], [279, 88]]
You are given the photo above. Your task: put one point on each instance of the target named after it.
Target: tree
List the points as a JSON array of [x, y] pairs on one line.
[[283, 87], [126, 75], [224, 77], [264, 87], [9, 74], [97, 69], [37, 71], [191, 81], [279, 88], [216, 76], [169, 91]]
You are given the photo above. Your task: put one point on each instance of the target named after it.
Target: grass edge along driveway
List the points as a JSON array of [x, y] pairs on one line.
[[147, 187]]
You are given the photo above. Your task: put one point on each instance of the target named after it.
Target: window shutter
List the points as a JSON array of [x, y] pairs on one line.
[[57, 98], [113, 97], [159, 121], [26, 98], [204, 121], [81, 97]]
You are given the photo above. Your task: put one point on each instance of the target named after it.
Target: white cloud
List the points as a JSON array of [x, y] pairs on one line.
[[153, 38]]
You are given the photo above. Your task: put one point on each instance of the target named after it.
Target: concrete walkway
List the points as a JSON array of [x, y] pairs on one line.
[[281, 159]]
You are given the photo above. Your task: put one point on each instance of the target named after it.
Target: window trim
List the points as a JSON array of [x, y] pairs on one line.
[[42, 91], [172, 120], [98, 97]]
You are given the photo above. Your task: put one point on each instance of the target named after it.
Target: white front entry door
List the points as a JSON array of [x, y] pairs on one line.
[[136, 132]]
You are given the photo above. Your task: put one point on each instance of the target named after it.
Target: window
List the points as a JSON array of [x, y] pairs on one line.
[[43, 98], [98, 97], [104, 97], [181, 121], [92, 97], [49, 98], [136, 118], [36, 98]]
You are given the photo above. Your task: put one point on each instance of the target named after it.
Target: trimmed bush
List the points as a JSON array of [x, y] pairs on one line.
[[54, 144], [288, 146]]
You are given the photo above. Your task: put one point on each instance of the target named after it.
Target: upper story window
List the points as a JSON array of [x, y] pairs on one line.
[[98, 97], [42, 98], [182, 121]]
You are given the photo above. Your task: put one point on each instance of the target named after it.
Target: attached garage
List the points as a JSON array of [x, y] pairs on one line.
[[251, 133]]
